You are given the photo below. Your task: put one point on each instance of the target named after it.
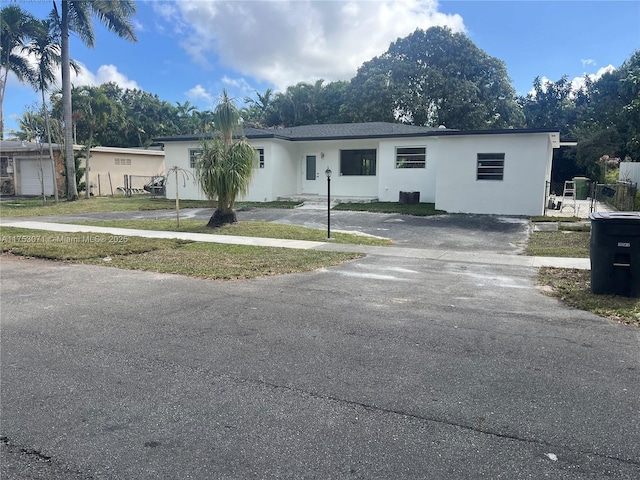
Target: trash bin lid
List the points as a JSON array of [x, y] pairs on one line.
[[615, 217]]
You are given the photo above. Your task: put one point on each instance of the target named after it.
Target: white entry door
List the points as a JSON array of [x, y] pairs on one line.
[[310, 174]]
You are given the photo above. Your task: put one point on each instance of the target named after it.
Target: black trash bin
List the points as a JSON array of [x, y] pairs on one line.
[[615, 253]]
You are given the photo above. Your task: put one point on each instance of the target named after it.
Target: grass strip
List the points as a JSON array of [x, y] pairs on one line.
[[204, 260], [420, 209], [573, 287], [33, 207], [244, 229], [562, 243]]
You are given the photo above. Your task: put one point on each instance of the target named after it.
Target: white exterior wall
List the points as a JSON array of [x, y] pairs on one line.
[[278, 177], [527, 166], [395, 180], [328, 155], [177, 154], [284, 177], [629, 171]]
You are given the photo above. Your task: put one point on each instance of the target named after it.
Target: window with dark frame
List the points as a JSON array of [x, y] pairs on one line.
[[490, 166], [260, 157], [358, 162], [411, 157], [194, 156]]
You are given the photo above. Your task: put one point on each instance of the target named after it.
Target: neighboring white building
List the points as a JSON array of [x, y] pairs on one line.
[[488, 171]]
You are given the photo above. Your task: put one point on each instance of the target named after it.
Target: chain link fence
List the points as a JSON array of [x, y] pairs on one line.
[[129, 185], [620, 195]]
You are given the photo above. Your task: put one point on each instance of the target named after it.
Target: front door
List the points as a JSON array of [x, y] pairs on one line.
[[310, 172]]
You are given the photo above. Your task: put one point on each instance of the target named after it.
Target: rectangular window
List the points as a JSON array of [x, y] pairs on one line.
[[194, 156], [4, 163], [122, 161], [260, 157], [490, 166], [357, 162], [411, 157]]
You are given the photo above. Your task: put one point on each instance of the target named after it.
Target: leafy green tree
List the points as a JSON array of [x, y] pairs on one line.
[[329, 103], [551, 104], [256, 112], [226, 165], [76, 17], [608, 122], [95, 109], [435, 77], [16, 28]]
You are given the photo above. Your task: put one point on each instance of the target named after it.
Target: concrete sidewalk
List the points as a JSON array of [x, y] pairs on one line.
[[391, 251]]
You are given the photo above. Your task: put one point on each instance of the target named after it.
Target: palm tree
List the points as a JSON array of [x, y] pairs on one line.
[[45, 47], [258, 108], [75, 17], [16, 26], [226, 164]]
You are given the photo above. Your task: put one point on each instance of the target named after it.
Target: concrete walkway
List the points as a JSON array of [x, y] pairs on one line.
[[391, 251]]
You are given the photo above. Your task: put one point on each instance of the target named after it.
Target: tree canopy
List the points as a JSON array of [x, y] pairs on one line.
[[431, 77], [435, 77]]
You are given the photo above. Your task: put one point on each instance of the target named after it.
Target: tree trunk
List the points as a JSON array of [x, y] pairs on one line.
[[53, 160], [220, 218], [72, 188], [87, 185]]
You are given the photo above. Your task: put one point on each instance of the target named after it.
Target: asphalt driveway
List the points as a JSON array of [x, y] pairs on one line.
[[378, 368], [497, 234]]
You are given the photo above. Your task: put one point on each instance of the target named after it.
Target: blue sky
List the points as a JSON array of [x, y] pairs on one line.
[[191, 50]]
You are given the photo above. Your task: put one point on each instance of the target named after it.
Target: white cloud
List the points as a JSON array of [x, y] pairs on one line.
[[105, 74], [199, 93], [587, 61], [287, 41], [578, 82]]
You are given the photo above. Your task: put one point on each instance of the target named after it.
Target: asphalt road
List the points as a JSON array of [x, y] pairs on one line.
[[382, 368]]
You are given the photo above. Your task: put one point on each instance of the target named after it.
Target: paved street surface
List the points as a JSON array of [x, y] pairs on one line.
[[380, 368]]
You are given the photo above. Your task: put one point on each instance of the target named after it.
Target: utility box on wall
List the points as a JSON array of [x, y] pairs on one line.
[[409, 198]]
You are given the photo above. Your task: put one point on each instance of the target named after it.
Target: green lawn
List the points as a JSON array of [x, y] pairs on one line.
[[205, 260], [573, 287], [33, 207], [245, 229], [420, 209], [562, 243]]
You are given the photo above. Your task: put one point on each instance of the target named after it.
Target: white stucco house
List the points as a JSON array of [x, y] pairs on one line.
[[487, 171]]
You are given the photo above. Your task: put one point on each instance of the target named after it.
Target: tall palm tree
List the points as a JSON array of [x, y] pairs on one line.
[[16, 27], [226, 164], [76, 17], [45, 48]]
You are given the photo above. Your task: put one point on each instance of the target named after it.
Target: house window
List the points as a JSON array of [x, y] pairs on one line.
[[357, 162], [4, 164], [122, 161], [490, 166], [260, 152], [411, 157], [194, 156]]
